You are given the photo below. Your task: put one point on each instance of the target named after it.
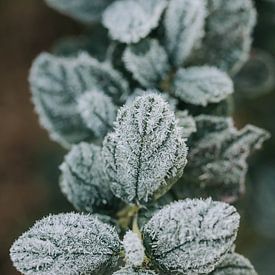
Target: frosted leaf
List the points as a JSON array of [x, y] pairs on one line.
[[191, 236], [184, 28], [131, 20], [186, 122], [66, 244], [86, 11], [217, 160], [147, 61], [97, 111], [145, 154], [83, 179], [57, 83], [234, 264], [134, 250], [228, 38], [134, 271], [202, 85]]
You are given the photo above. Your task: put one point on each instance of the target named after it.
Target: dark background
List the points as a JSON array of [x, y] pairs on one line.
[[29, 160]]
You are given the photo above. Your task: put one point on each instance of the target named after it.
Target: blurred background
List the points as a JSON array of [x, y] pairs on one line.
[[29, 160]]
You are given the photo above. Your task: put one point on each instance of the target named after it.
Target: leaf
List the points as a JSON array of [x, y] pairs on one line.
[[147, 61], [86, 11], [202, 85], [134, 249], [83, 179], [186, 122], [66, 244], [228, 38], [145, 154], [97, 111], [218, 157], [191, 236], [184, 28], [134, 271], [56, 85], [129, 21], [234, 264]]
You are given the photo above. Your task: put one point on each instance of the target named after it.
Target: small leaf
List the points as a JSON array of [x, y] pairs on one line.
[[218, 157], [228, 38], [67, 244], [145, 155], [134, 271], [57, 83], [187, 123], [134, 249], [202, 85], [83, 179], [184, 28], [129, 21], [147, 61], [191, 236], [97, 111], [86, 11], [234, 264]]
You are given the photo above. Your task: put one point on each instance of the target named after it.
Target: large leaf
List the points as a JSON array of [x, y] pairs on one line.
[[202, 85], [191, 236], [86, 11], [56, 85], [184, 28], [67, 244], [131, 20], [145, 154], [147, 61]]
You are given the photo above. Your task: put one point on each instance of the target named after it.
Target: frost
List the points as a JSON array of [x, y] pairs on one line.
[[147, 61], [86, 11], [234, 264], [134, 271], [202, 85], [187, 123], [131, 20], [66, 244], [134, 249], [57, 83], [145, 154], [217, 160], [228, 38], [83, 179], [191, 236], [184, 28], [97, 111]]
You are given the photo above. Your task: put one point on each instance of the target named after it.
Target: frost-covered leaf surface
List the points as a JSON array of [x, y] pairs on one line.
[[134, 271], [187, 123], [234, 264], [191, 236], [83, 179], [228, 33], [66, 244], [134, 250], [217, 160], [57, 83], [86, 11], [97, 111], [145, 154], [202, 85], [184, 27], [147, 61], [131, 20]]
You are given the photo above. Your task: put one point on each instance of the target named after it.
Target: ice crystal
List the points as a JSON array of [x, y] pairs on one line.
[[187, 123], [134, 271]]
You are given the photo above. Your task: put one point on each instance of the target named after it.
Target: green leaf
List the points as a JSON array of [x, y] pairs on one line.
[[145, 155], [83, 179], [184, 28], [147, 61], [202, 85], [191, 236], [129, 21], [67, 244]]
